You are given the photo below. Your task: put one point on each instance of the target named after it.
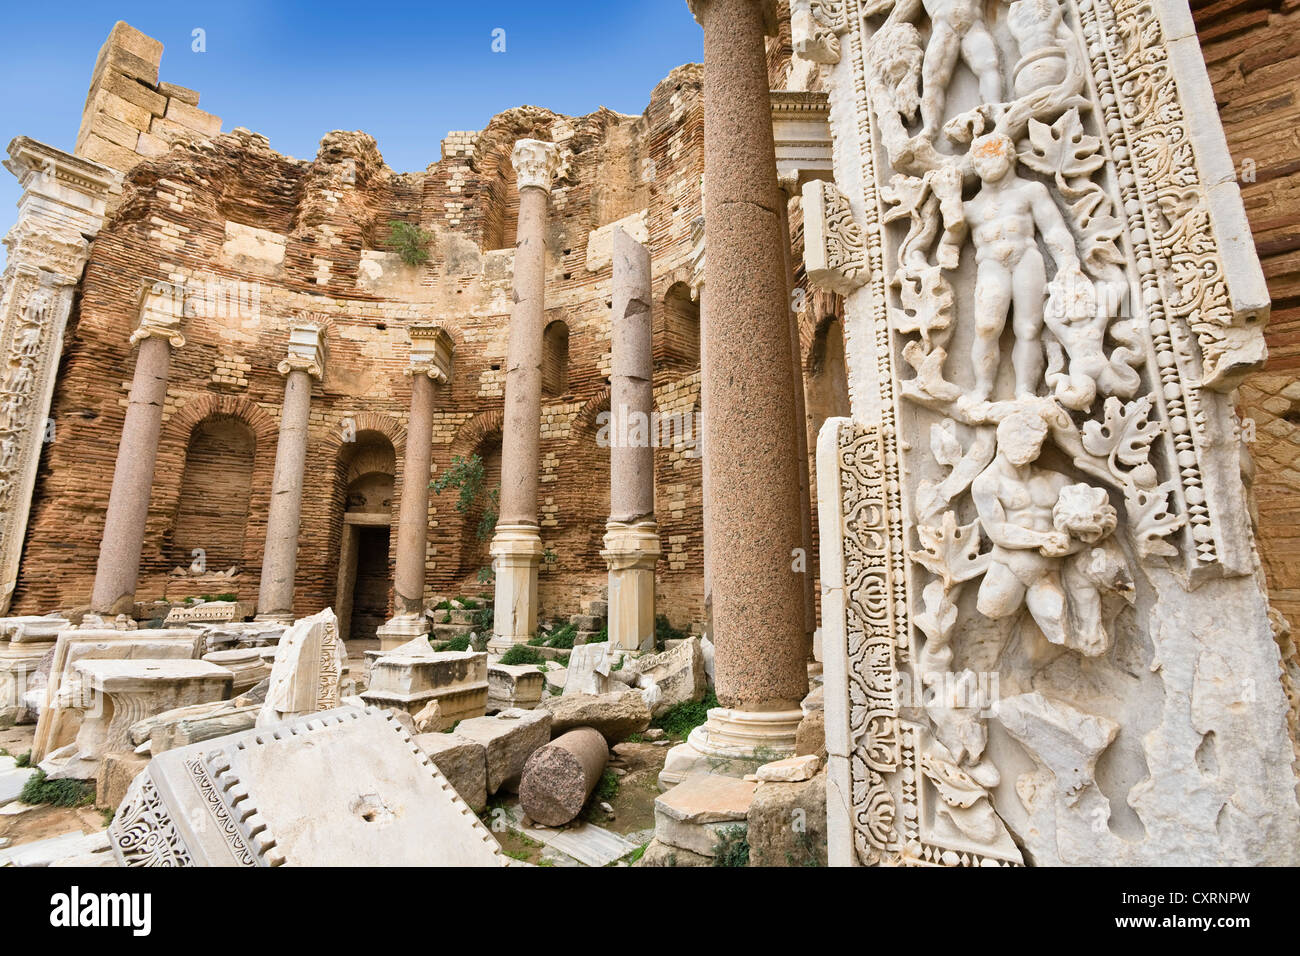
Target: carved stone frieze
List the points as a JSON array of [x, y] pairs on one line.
[[1040, 486]]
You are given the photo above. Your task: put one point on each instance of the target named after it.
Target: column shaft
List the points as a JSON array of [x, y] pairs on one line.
[[413, 519], [128, 501], [517, 544], [521, 435], [275, 593], [753, 497], [631, 538]]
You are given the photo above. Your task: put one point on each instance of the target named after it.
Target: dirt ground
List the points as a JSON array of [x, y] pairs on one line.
[[40, 823]]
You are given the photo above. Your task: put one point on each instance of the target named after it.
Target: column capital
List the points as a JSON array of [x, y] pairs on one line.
[[431, 349], [161, 312], [771, 24], [535, 162], [306, 351]]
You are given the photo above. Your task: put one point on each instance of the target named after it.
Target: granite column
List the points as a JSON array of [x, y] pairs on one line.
[[517, 545], [305, 362], [631, 535]]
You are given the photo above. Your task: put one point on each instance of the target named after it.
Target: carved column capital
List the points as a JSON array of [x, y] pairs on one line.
[[431, 350], [771, 23], [161, 313], [307, 351], [535, 163]]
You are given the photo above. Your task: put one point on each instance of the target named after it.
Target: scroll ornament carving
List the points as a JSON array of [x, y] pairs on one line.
[[815, 27], [835, 250], [306, 351]]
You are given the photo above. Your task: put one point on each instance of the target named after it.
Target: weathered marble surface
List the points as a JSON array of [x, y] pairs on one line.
[[1045, 633]]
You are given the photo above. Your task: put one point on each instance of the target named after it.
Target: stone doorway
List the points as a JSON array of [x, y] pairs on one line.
[[371, 582], [365, 575]]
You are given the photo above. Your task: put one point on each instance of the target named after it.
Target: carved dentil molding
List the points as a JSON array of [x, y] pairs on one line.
[[835, 250], [535, 163], [306, 351]]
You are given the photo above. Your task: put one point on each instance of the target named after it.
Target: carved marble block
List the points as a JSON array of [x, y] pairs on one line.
[[345, 787], [1045, 631]]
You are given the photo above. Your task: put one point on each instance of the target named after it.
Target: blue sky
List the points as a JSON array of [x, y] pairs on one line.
[[404, 72]]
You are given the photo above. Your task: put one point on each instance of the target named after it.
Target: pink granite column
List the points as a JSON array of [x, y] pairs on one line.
[[760, 664], [430, 363], [516, 545], [631, 535], [118, 569], [413, 516], [754, 525], [280, 560]]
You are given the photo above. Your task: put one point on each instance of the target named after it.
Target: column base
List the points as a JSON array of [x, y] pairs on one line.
[[401, 629], [732, 743], [631, 553], [516, 551]]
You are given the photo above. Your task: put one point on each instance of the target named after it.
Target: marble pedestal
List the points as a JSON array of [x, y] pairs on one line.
[[516, 551], [121, 692], [732, 743], [631, 553], [413, 676]]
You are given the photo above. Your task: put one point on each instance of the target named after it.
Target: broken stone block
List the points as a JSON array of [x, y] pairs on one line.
[[226, 718], [462, 761], [658, 853], [342, 787], [509, 739], [236, 634], [678, 673], [810, 737], [411, 676], [590, 666], [209, 611], [428, 718], [790, 770], [787, 823], [115, 776], [559, 777], [617, 716], [309, 664], [514, 685], [246, 664], [691, 814]]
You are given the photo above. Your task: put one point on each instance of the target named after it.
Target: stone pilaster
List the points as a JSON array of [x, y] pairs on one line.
[[753, 511], [430, 363], [517, 546], [305, 362], [61, 208], [631, 537], [118, 569]]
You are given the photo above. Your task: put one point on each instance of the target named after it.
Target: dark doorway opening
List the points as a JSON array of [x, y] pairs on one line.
[[370, 593]]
